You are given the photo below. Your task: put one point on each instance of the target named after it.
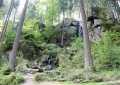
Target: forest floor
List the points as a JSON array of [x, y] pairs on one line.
[[29, 80]]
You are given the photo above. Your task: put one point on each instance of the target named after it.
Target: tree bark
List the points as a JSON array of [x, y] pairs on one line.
[[12, 55], [62, 30], [88, 60], [5, 24]]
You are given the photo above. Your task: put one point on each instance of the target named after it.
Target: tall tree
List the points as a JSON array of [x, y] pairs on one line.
[[6, 21], [88, 61], [12, 55]]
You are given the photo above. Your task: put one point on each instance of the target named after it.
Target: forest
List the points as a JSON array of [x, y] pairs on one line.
[[59, 42]]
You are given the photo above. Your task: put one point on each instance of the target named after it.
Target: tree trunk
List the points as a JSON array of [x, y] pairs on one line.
[[5, 24], [88, 61], [12, 55], [62, 30]]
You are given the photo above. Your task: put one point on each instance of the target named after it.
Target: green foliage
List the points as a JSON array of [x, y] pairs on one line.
[[8, 41], [59, 75], [1, 13], [49, 33], [52, 12], [4, 70], [8, 78], [109, 25], [116, 27], [36, 45], [71, 56], [109, 75], [106, 52], [34, 42], [30, 24], [92, 83], [29, 46], [48, 9], [42, 77], [115, 36], [70, 62], [12, 79]]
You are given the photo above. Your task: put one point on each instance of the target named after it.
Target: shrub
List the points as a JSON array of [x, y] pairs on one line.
[[70, 62], [11, 79], [106, 52], [8, 41], [41, 77], [8, 78]]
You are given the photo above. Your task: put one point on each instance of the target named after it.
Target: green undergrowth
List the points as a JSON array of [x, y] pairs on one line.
[[12, 79], [76, 76], [7, 78], [70, 83]]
